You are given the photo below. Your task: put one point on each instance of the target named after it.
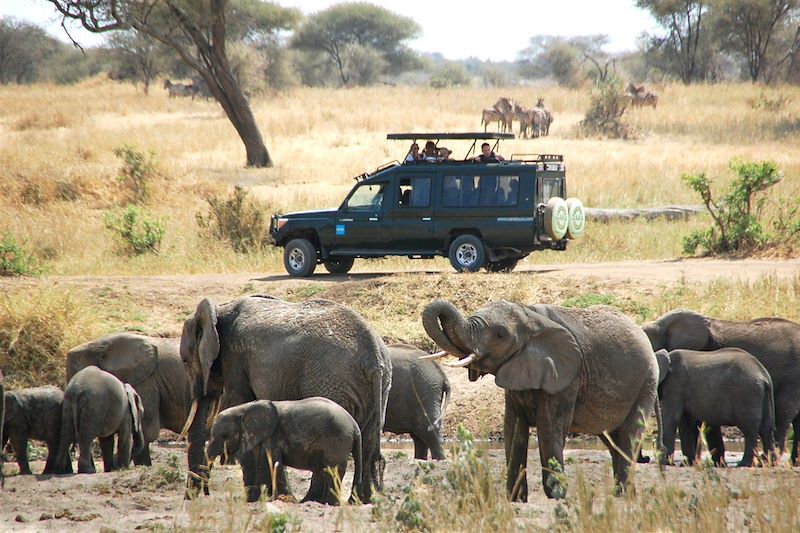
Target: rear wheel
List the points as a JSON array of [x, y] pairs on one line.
[[338, 265], [300, 258], [504, 265], [467, 253]]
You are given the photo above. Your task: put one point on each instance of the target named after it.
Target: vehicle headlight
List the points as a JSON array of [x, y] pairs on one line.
[[281, 223]]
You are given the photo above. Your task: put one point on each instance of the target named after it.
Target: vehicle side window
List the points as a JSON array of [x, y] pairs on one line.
[[550, 187], [367, 197], [414, 192], [484, 191]]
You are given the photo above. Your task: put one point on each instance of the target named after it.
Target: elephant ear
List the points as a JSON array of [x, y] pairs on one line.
[[258, 423], [688, 330], [662, 356], [550, 360], [132, 358], [200, 340], [137, 411]]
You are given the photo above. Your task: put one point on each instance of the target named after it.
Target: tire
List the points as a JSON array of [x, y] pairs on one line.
[[339, 265], [300, 258], [504, 265], [467, 253], [577, 218], [556, 218]]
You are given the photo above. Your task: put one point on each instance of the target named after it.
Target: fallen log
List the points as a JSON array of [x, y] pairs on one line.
[[670, 212]]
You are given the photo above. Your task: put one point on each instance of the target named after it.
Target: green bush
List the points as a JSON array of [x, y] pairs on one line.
[[737, 214], [14, 261], [138, 232], [608, 103], [138, 170], [452, 75], [236, 220]]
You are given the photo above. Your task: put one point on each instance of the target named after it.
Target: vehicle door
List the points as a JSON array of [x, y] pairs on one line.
[[360, 219], [411, 218]]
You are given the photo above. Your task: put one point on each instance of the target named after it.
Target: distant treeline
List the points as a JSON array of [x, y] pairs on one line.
[[355, 44]]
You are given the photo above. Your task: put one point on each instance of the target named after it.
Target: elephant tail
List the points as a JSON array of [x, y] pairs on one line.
[[358, 466], [767, 430], [69, 430]]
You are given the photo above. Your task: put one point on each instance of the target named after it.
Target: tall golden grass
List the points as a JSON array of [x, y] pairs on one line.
[[57, 137]]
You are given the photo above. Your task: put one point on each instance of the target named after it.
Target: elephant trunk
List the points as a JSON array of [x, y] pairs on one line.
[[447, 327]]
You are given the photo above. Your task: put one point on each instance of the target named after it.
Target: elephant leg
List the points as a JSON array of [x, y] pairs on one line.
[[750, 438], [50, 464], [716, 445], [254, 474], [20, 445], [435, 444], [373, 462], [516, 446], [107, 448], [669, 428], [199, 468], [420, 448], [143, 457], [690, 433], [85, 461], [786, 411], [795, 440], [124, 446], [553, 416]]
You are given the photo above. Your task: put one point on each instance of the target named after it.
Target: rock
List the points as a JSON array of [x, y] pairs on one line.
[[20, 518], [46, 516]]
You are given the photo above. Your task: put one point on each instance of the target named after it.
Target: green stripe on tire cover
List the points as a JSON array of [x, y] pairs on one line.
[[559, 218], [577, 218]]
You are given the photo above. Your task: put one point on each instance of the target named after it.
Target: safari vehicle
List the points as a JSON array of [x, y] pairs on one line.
[[478, 214]]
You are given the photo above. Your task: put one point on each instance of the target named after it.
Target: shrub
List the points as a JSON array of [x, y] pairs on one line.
[[452, 75], [14, 261], [605, 115], [138, 169], [138, 232], [737, 215], [236, 220]]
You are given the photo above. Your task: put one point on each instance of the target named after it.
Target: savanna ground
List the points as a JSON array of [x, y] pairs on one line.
[[57, 179]]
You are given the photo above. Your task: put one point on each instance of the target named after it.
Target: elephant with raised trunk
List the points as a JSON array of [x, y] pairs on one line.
[[153, 367], [563, 370], [313, 434], [775, 342], [726, 387], [262, 348], [417, 401]]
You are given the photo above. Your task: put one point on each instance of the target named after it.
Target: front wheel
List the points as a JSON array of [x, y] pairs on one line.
[[504, 265], [467, 253], [300, 258], [339, 265]]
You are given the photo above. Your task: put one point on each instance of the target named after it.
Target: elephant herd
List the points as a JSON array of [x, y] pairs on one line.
[[271, 384]]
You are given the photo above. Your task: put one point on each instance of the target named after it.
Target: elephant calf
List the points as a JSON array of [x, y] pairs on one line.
[[726, 387], [417, 400], [310, 434], [33, 413], [97, 404]]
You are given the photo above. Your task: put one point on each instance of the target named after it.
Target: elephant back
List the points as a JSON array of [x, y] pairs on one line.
[[128, 356]]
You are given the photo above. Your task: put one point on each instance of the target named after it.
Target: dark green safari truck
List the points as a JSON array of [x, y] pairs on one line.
[[479, 214]]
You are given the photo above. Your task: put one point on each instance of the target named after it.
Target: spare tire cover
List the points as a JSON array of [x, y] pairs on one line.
[[556, 218], [577, 218]]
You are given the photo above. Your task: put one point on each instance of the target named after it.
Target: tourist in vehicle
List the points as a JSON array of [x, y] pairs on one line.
[[487, 155], [429, 153], [444, 154], [413, 153]]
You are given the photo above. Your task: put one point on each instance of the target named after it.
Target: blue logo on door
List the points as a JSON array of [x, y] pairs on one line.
[[339, 229]]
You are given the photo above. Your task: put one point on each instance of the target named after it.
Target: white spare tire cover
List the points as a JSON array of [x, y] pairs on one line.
[[556, 218], [577, 218]]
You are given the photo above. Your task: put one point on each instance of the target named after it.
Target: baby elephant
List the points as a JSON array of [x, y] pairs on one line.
[[97, 404], [33, 413], [726, 387], [310, 434], [417, 400]]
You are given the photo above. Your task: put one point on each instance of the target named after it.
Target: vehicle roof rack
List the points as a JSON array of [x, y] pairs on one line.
[[478, 135], [543, 158]]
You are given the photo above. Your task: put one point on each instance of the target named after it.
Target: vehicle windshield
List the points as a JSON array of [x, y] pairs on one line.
[[368, 196]]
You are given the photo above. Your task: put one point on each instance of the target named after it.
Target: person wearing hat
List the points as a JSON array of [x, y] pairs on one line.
[[444, 154]]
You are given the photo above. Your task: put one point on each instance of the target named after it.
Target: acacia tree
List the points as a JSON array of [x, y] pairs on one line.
[[683, 21], [345, 30], [197, 30], [137, 57]]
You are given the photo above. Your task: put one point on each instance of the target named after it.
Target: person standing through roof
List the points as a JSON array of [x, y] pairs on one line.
[[487, 155], [413, 153], [429, 153], [444, 154]]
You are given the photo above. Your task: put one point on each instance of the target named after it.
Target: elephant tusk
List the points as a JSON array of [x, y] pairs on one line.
[[436, 355], [463, 362], [189, 419]]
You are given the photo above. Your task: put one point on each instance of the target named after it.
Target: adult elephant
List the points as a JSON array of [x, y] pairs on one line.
[[775, 342], [262, 348], [153, 367], [564, 370]]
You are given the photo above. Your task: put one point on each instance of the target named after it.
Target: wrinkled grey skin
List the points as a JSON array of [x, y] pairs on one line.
[[310, 434], [153, 367], [726, 387], [775, 342], [262, 348], [33, 413], [97, 404], [564, 370], [419, 395]]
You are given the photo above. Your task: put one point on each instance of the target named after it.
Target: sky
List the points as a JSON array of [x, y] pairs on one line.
[[488, 29]]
